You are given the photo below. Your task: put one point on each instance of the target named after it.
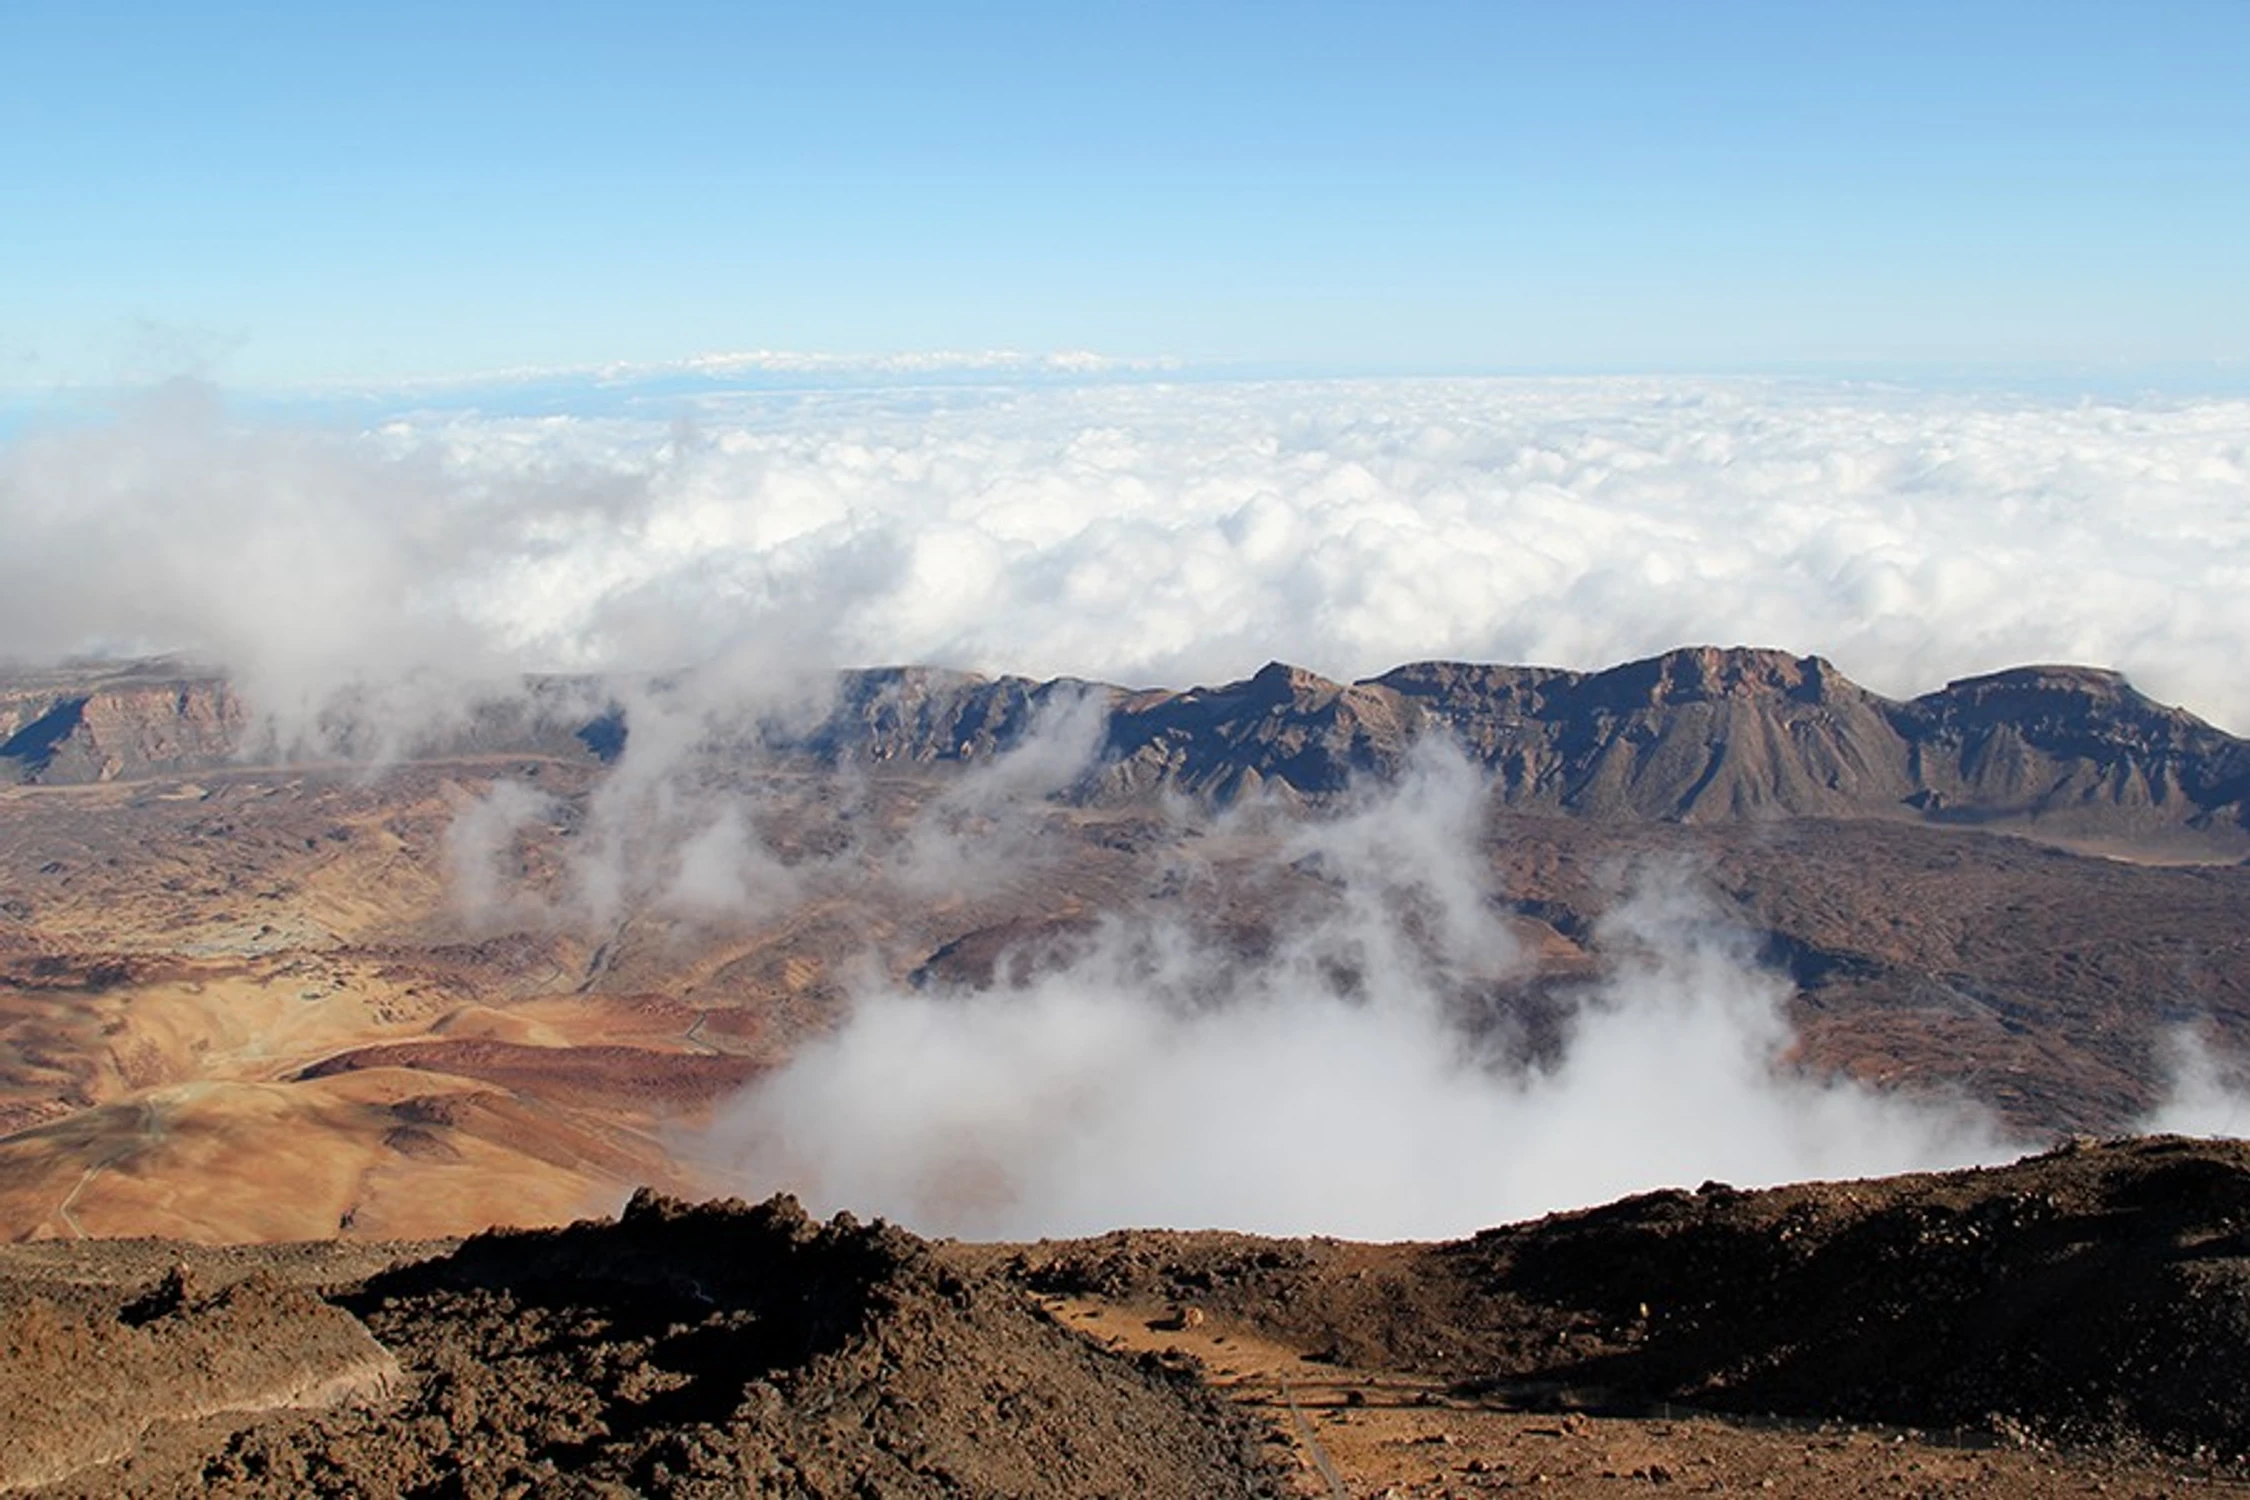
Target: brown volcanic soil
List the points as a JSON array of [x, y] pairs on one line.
[[2038, 980], [225, 1003], [2072, 1324], [241, 1006], [710, 1351], [233, 1008], [85, 1390]]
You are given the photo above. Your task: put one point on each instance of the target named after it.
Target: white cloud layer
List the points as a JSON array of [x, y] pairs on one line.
[[1158, 533]]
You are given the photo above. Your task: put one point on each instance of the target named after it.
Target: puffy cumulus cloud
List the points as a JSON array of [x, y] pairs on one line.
[[1159, 533], [1336, 1083]]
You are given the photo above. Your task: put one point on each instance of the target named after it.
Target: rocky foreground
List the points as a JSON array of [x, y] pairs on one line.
[[2078, 1320]]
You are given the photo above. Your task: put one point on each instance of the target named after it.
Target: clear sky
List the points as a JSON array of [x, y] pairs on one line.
[[284, 192]]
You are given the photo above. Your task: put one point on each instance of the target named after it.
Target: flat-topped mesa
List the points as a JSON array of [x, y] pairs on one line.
[[141, 719], [1699, 674], [2064, 702]]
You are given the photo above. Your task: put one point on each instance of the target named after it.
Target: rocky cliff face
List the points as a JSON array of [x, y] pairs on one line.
[[1284, 730], [2072, 744], [100, 726], [66, 727], [1692, 735], [1695, 735]]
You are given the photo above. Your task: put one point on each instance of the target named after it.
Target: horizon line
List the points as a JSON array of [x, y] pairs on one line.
[[908, 368]]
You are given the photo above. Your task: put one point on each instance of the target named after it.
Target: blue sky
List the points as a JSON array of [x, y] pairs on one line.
[[281, 193]]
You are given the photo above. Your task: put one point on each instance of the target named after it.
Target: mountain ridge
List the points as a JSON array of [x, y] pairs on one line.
[[1696, 734], [1692, 735]]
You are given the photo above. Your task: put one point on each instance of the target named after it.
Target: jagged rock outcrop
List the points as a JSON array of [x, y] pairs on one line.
[[2095, 1294], [921, 715]]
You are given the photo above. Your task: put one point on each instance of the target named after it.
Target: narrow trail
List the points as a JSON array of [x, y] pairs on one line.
[[1253, 1372], [63, 1210], [151, 1136], [1322, 1464], [693, 1036]]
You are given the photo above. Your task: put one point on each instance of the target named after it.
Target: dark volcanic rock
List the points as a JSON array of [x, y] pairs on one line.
[[715, 1350], [2073, 746], [2092, 1294], [1692, 735], [2095, 1294], [1706, 735], [81, 1391], [1285, 730]]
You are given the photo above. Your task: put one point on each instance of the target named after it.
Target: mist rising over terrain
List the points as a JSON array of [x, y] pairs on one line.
[[1348, 1078], [1148, 534]]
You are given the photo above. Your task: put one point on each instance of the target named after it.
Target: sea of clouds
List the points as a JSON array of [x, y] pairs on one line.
[[1151, 533]]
